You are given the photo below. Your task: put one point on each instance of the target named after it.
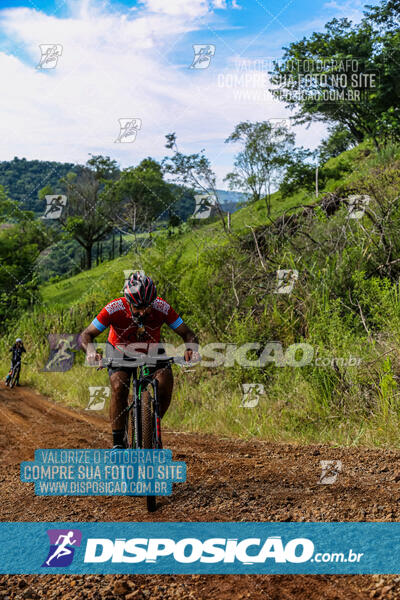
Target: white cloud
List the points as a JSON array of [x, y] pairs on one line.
[[221, 4], [192, 8], [352, 9], [117, 65]]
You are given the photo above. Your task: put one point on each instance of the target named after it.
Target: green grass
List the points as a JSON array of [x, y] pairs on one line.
[[67, 292]]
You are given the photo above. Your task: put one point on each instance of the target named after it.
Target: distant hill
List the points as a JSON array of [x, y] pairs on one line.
[[225, 196], [230, 201], [23, 179]]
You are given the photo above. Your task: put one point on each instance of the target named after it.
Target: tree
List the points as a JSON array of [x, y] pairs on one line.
[[385, 20], [173, 221], [261, 164], [193, 171], [339, 140], [185, 203], [90, 212], [357, 86], [21, 242], [106, 168], [300, 173], [142, 195]]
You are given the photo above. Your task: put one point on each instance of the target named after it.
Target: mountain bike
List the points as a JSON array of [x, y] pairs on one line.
[[15, 371], [143, 422]]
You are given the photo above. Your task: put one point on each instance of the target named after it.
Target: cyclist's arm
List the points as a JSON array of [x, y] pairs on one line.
[[97, 326], [23, 349], [189, 337], [86, 340]]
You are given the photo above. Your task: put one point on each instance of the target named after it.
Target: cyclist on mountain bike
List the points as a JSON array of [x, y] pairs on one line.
[[17, 349], [135, 321]]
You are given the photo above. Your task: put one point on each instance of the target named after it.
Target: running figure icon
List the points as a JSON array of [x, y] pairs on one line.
[[63, 543], [62, 549]]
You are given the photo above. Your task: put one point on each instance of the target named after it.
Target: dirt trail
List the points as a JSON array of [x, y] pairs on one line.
[[228, 480]]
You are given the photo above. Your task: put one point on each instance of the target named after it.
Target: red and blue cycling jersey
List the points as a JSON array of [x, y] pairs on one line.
[[124, 330]]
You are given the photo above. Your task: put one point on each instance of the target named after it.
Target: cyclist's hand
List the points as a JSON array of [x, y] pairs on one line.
[[93, 358], [191, 356]]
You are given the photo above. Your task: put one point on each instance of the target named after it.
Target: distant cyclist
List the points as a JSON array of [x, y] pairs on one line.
[[17, 349], [135, 321]]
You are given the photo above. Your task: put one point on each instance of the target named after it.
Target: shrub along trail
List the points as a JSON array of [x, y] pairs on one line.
[[228, 480]]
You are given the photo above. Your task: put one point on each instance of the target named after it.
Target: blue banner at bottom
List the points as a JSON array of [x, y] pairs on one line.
[[200, 548]]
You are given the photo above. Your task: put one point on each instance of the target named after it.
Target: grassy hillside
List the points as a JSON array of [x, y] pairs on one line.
[[193, 242], [345, 306], [75, 289]]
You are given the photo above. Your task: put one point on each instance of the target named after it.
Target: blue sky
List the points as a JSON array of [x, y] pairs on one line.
[[123, 60]]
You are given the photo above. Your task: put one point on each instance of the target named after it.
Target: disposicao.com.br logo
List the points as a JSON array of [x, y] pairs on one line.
[[247, 551]]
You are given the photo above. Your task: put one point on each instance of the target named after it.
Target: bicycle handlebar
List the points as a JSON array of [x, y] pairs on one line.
[[140, 362]]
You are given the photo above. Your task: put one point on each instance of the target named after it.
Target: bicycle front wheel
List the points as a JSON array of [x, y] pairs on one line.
[[148, 437], [14, 377]]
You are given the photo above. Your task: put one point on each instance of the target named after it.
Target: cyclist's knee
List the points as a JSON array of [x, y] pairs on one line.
[[165, 381], [165, 387], [119, 383]]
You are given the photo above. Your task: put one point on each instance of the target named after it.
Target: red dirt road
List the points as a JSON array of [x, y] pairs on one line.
[[228, 480]]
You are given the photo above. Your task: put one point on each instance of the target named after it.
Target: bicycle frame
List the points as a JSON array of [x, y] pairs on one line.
[[151, 436], [14, 374]]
